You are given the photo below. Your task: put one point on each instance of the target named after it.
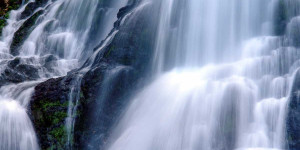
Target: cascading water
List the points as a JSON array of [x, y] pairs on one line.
[[222, 71], [16, 129], [232, 65], [55, 45]]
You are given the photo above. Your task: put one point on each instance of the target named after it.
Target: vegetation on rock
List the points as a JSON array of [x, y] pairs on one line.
[[5, 7], [49, 112]]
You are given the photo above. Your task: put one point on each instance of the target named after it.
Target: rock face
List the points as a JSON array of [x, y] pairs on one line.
[[31, 7], [5, 7], [24, 30], [115, 72], [49, 111], [293, 119], [18, 69], [17, 72], [281, 21], [22, 33]]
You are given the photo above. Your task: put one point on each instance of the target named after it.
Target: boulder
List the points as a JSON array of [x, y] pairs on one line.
[[48, 111]]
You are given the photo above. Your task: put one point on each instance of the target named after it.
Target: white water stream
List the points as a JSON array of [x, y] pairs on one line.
[[222, 77], [229, 82], [68, 30]]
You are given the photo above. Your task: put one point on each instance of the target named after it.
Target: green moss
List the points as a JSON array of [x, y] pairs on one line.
[[55, 116], [2, 24], [6, 16], [5, 12], [52, 115], [58, 117], [48, 105], [60, 136], [59, 133]]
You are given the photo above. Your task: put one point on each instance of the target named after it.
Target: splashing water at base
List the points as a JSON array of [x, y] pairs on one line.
[[229, 83], [183, 110], [16, 129], [238, 105]]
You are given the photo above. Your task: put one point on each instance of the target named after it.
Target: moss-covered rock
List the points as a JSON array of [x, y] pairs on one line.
[[49, 110], [5, 7], [115, 73], [25, 29]]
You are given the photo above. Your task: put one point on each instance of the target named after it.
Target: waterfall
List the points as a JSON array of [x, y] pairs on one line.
[[223, 76], [61, 38], [219, 75], [16, 129]]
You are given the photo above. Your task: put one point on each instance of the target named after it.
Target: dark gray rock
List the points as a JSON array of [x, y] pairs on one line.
[[117, 71], [102, 92], [15, 72], [31, 7], [22, 33], [48, 111], [293, 119]]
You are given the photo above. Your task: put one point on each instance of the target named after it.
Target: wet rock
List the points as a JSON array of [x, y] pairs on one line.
[[117, 71], [49, 61], [29, 71], [5, 8], [49, 58], [113, 76], [48, 109], [31, 8], [281, 19], [293, 119], [293, 31], [22, 33], [13, 63], [15, 72], [13, 76], [104, 92]]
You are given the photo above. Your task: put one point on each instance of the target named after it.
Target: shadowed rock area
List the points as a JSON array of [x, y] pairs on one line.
[[293, 119], [117, 71]]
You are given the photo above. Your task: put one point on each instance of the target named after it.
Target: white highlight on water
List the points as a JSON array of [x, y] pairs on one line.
[[16, 130], [229, 86], [238, 105], [63, 30]]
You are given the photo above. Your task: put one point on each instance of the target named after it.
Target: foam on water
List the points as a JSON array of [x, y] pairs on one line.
[[238, 105], [61, 39]]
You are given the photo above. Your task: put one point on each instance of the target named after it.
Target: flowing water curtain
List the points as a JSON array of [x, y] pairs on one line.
[[238, 101], [16, 129], [197, 32], [55, 34], [51, 47]]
